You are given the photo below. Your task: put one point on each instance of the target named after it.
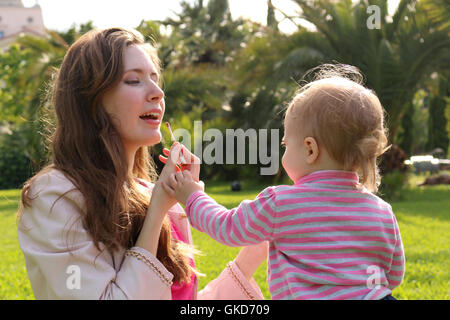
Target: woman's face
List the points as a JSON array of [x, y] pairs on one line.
[[136, 103]]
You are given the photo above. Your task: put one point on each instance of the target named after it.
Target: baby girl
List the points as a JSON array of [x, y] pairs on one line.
[[330, 236]]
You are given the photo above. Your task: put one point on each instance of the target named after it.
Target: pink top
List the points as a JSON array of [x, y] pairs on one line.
[[327, 237], [182, 291]]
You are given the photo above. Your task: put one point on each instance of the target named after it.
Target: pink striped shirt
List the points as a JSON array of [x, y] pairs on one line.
[[328, 238]]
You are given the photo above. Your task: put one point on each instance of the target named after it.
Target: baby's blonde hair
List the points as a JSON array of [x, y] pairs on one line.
[[345, 118]]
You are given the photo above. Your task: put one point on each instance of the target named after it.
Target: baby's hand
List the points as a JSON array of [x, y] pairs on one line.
[[181, 185]]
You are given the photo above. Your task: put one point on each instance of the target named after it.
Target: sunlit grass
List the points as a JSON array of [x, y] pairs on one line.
[[14, 282]]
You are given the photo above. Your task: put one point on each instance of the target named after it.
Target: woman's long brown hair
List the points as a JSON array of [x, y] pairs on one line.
[[86, 147]]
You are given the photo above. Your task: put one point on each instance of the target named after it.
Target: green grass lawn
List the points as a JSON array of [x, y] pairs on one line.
[[14, 282], [423, 215]]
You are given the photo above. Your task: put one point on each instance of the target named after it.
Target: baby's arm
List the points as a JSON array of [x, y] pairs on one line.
[[397, 272], [250, 223], [182, 185]]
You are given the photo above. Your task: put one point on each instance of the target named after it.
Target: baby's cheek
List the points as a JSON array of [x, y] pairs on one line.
[[283, 161], [286, 166]]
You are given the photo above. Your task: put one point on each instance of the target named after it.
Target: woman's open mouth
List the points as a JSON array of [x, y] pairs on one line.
[[153, 117]]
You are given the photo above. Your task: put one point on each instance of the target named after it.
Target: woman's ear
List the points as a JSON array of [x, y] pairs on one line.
[[312, 150]]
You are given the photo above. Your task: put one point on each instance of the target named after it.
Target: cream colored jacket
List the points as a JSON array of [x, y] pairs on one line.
[[63, 263]]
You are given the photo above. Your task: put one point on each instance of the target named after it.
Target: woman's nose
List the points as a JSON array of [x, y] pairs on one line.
[[155, 93]]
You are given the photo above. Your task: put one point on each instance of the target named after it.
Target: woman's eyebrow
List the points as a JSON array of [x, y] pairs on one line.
[[138, 70], [135, 70]]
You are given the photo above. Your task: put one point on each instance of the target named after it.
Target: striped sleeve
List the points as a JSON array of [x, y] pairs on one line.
[[250, 223], [397, 272]]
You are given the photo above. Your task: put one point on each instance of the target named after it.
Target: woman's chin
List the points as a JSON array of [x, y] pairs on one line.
[[153, 139]]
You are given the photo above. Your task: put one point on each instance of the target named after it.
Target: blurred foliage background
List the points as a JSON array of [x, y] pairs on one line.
[[235, 73]]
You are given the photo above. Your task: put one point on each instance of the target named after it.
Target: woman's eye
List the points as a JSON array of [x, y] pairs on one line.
[[134, 81]]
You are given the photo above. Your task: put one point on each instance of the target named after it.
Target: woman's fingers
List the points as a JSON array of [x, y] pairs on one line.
[[170, 163], [192, 162], [189, 156], [173, 159], [174, 155], [162, 159], [177, 152], [165, 152]]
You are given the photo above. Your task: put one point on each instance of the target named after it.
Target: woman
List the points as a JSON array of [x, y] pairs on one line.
[[85, 225]]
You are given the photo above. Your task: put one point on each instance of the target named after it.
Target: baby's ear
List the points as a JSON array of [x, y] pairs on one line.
[[312, 149]]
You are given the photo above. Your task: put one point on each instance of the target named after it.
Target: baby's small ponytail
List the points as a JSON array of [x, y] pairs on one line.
[[366, 151]]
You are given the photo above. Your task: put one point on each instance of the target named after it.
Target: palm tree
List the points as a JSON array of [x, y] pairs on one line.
[[203, 34], [438, 12], [395, 58], [198, 56]]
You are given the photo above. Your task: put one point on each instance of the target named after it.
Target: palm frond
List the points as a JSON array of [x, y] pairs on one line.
[[438, 12], [398, 17]]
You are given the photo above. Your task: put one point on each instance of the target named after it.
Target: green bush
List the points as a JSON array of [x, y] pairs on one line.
[[393, 185], [15, 166], [394, 173]]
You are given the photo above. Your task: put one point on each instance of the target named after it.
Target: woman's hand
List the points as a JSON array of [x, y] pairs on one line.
[[161, 200], [250, 258], [185, 181], [192, 161]]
